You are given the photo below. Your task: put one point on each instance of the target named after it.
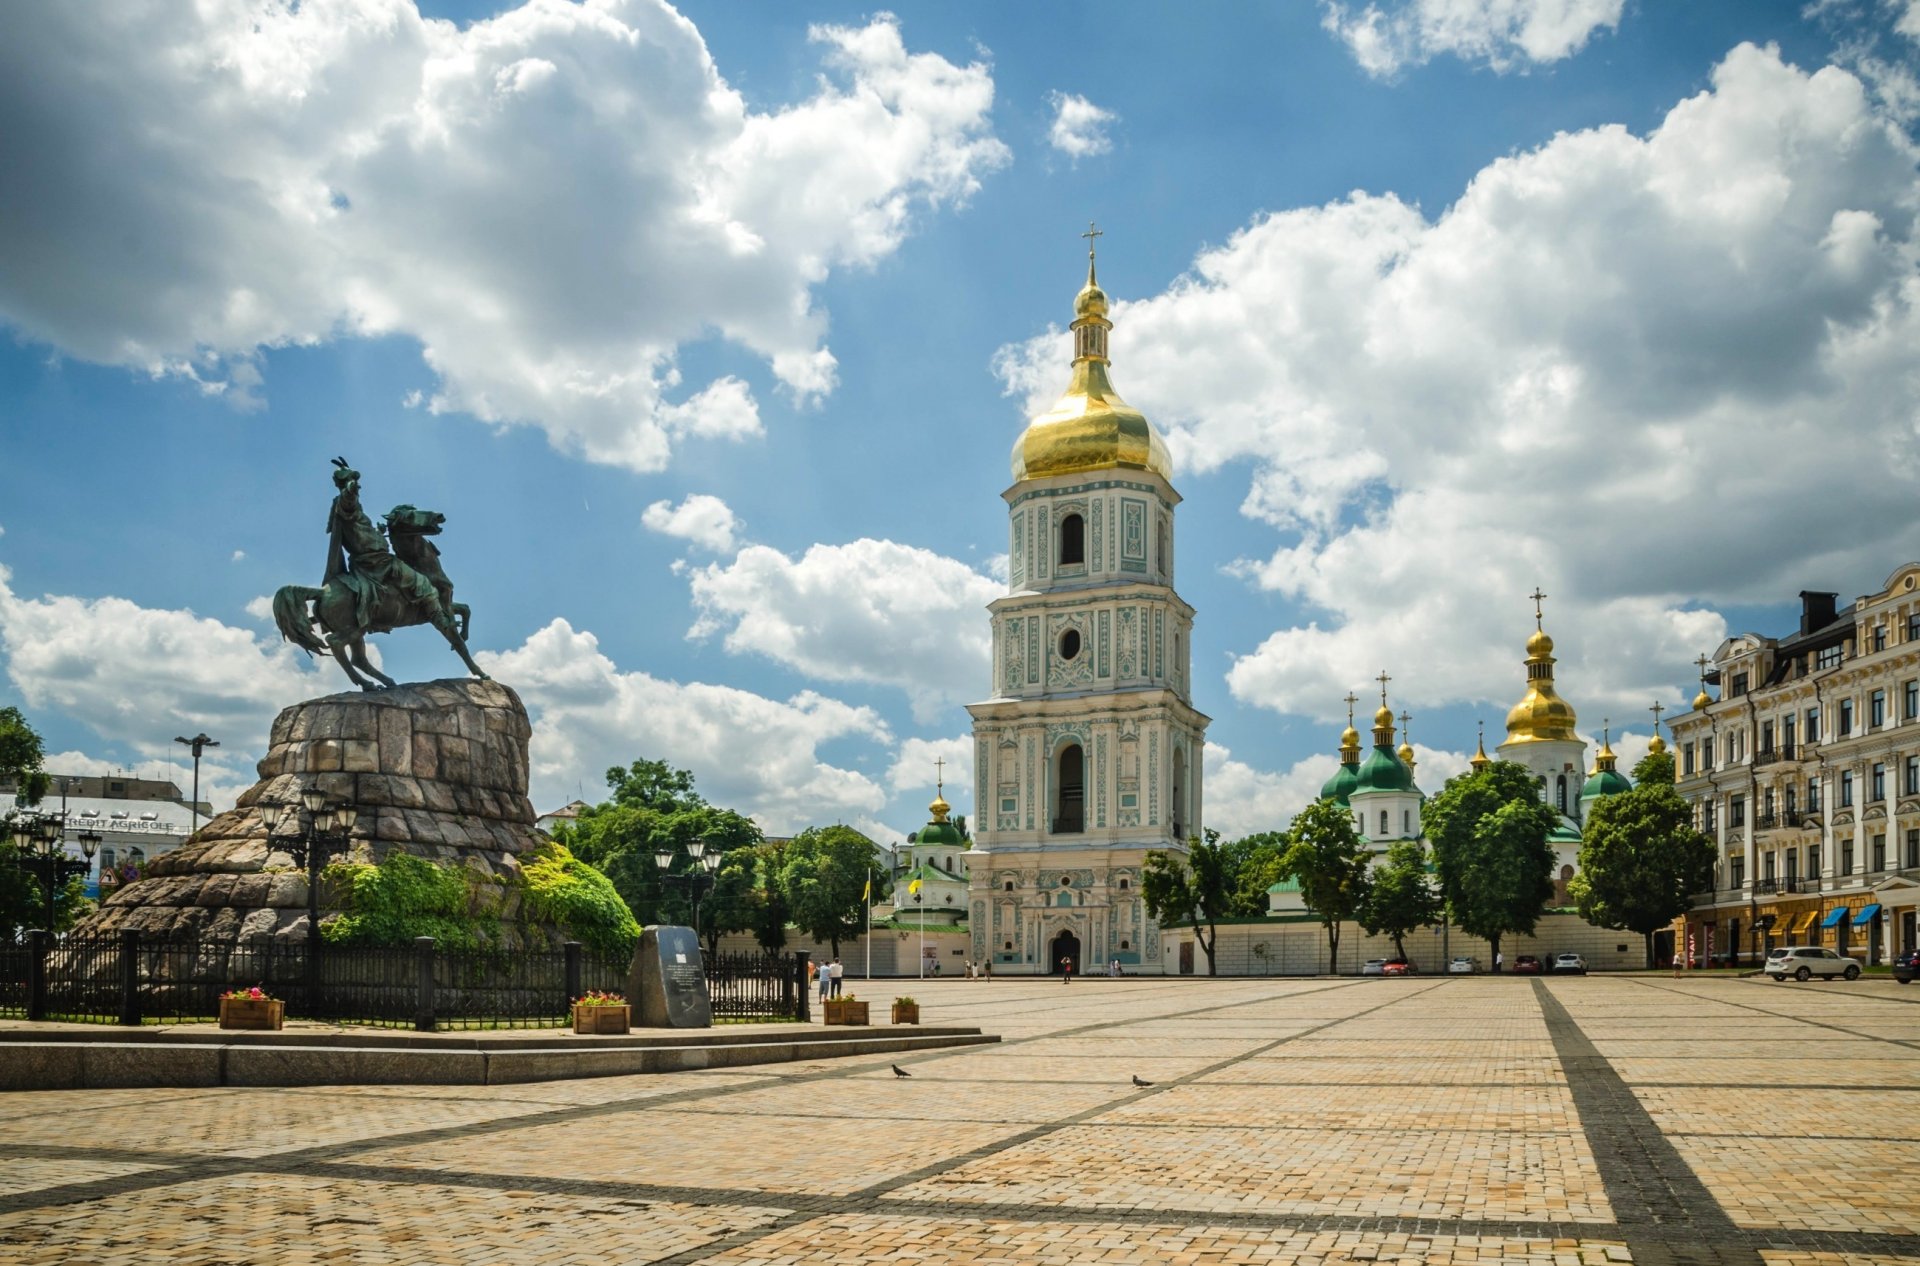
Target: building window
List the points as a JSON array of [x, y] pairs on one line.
[[1686, 760], [1846, 857], [1910, 707], [1073, 540], [1739, 686], [1879, 637], [1123, 888], [1793, 802], [1813, 725], [1829, 657], [1880, 851], [1707, 824], [1877, 709], [1767, 866], [1878, 783], [1913, 848], [1913, 626], [1560, 792], [1846, 788], [1912, 777], [1846, 718], [1737, 869], [1813, 795], [1767, 803], [1406, 821], [1737, 812], [1786, 734], [1383, 822], [1123, 945], [1813, 860], [1071, 781], [1009, 885], [1070, 644]]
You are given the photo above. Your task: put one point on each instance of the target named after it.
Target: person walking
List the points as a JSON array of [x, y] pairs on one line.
[[1066, 971], [1113, 968], [825, 975], [837, 970], [1499, 961], [987, 968]]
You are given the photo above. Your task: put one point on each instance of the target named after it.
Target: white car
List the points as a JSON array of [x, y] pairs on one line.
[[1462, 965], [1570, 964], [1803, 962], [1374, 967]]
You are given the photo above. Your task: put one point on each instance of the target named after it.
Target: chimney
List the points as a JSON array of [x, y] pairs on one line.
[[1817, 610]]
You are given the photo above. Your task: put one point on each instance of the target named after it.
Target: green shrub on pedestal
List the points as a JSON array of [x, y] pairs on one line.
[[562, 889]]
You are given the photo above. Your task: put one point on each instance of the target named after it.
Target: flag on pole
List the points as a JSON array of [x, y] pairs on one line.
[[914, 887], [868, 895]]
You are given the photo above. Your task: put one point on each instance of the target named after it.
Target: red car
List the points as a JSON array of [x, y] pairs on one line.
[[1526, 964], [1397, 967]]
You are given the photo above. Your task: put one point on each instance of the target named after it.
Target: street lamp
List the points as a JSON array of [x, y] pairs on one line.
[[199, 743], [312, 832], [40, 839], [698, 877]]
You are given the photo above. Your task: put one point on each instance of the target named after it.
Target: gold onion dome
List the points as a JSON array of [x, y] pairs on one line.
[[1480, 759], [1542, 715], [1702, 701], [1090, 427], [939, 808], [1656, 746], [1349, 739], [1406, 753]]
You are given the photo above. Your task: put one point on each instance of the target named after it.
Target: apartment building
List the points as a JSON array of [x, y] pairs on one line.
[[1806, 773]]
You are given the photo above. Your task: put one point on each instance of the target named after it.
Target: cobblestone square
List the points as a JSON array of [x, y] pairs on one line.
[[1564, 1121]]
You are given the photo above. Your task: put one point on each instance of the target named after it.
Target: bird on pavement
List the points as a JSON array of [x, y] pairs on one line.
[[1138, 1082], [900, 1072]]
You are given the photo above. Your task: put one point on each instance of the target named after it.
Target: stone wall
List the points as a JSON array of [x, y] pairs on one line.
[[1291, 948], [438, 769]]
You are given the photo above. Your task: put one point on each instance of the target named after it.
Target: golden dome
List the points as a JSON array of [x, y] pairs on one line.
[[1542, 715], [1405, 753], [1480, 760], [1349, 737], [1090, 427], [939, 808], [1383, 719], [1656, 746], [1702, 701]]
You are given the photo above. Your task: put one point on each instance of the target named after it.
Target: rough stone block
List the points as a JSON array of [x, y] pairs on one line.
[[360, 755], [323, 756], [425, 756]]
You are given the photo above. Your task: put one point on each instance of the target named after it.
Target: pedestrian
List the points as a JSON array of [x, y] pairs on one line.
[[1113, 968], [988, 966], [1499, 961], [1066, 971], [826, 981], [837, 970], [969, 969]]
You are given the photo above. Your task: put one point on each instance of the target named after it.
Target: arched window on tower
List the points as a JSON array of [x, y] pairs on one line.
[[1178, 800], [1560, 792], [1070, 810], [1383, 823], [1073, 540], [1160, 540]]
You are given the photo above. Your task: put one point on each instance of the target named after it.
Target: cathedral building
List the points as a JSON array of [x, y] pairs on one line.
[[1541, 736], [1088, 754]]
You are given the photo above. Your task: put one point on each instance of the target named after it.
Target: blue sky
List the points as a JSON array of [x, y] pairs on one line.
[[1435, 302]]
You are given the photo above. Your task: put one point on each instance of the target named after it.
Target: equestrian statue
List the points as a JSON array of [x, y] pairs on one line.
[[374, 583]]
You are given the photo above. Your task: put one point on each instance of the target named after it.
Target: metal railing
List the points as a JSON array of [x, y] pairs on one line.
[[128, 979]]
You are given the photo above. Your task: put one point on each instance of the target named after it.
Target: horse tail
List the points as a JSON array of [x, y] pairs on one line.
[[290, 612]]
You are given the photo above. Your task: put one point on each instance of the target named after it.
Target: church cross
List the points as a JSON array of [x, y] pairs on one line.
[[1538, 598], [1606, 731], [1383, 679], [1657, 709], [1405, 717], [939, 774], [1352, 699], [1093, 231]]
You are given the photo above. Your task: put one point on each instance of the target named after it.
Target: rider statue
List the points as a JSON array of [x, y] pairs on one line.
[[374, 583]]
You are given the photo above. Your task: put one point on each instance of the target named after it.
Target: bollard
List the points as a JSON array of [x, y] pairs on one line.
[[423, 984], [574, 991], [798, 983], [129, 976], [39, 944]]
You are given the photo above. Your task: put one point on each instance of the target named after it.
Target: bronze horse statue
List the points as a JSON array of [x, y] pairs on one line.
[[374, 583]]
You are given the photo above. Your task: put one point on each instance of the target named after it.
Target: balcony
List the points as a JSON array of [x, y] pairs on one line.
[[1775, 821], [1773, 755], [1790, 885]]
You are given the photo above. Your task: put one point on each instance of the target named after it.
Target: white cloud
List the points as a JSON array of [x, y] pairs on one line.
[[914, 770], [551, 201], [705, 520], [1648, 373], [757, 755], [1241, 800], [260, 608], [239, 556], [868, 611], [1079, 127], [1504, 34]]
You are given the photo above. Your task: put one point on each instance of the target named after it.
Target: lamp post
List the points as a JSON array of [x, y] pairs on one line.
[[698, 877], [199, 743], [40, 837], [311, 832]]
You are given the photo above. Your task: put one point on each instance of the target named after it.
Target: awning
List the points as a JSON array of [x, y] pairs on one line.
[[1807, 922], [1834, 916], [1866, 914]]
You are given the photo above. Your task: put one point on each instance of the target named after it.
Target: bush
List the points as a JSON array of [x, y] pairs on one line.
[[562, 889], [406, 897]]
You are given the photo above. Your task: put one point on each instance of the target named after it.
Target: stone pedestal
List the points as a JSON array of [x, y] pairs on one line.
[[438, 769], [667, 986]]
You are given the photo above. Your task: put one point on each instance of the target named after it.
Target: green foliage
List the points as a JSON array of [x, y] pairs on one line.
[[770, 913], [1325, 854], [406, 897], [21, 753], [823, 878], [1255, 863], [1640, 859], [1654, 767], [1489, 831], [562, 889], [1197, 889], [1404, 897]]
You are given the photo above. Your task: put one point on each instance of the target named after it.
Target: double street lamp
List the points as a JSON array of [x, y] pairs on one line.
[[696, 878], [312, 831], [41, 839]]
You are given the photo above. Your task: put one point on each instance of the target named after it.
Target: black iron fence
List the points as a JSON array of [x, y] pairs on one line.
[[130, 979]]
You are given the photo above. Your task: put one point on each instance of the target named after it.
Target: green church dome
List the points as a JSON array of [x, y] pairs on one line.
[[1341, 785], [1604, 782], [1383, 771]]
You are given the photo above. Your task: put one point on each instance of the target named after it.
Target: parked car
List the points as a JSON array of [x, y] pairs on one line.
[[1374, 967], [1463, 965], [1526, 964], [1568, 964], [1803, 962], [1906, 966], [1397, 967]]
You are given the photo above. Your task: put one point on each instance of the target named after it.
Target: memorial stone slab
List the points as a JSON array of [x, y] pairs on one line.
[[667, 986]]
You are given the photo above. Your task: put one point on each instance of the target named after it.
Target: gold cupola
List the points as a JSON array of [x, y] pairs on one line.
[[1541, 716], [1090, 427], [1656, 746], [1480, 759]]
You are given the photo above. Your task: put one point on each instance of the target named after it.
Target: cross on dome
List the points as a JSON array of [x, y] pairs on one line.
[[1538, 598]]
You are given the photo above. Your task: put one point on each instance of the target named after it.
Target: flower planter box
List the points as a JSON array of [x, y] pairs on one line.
[[252, 1013], [845, 1011], [906, 1013], [588, 1019]]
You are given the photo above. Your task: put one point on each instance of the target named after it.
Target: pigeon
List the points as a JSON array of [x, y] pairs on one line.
[[900, 1072], [1138, 1082]]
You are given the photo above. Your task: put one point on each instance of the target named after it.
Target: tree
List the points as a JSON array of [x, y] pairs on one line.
[[770, 911], [1640, 861], [1654, 767], [1489, 830], [1325, 854], [1403, 896], [824, 877], [1255, 863], [1197, 890], [22, 901]]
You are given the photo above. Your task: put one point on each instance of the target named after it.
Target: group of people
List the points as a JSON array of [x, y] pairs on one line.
[[828, 974]]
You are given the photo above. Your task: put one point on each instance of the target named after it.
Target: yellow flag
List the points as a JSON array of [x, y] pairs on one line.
[[869, 892], [914, 887]]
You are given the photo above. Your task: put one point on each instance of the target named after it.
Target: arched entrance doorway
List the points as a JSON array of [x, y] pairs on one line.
[[1066, 945]]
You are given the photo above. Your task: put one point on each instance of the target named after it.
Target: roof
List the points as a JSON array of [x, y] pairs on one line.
[[1605, 782], [1383, 771]]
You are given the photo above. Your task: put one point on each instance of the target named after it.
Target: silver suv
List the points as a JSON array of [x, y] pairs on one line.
[[1803, 962]]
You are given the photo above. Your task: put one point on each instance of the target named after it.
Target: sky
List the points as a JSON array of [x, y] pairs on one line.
[[710, 330]]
